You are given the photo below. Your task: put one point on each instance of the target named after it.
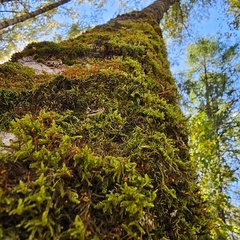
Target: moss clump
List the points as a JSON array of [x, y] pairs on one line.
[[65, 191], [13, 76], [43, 51], [137, 181]]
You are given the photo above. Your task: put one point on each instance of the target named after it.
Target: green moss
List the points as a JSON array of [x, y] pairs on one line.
[[69, 191], [107, 40], [15, 76], [47, 50], [121, 99]]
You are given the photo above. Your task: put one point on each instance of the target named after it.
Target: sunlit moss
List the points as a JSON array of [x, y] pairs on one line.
[[119, 96]]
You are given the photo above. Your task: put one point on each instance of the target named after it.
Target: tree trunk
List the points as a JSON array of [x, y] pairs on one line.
[[158, 8], [3, 1], [114, 94], [24, 17]]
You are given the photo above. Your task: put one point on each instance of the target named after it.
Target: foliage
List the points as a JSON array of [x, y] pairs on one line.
[[214, 127], [234, 9]]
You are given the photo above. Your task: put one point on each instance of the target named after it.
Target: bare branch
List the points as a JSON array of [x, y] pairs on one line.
[[24, 17]]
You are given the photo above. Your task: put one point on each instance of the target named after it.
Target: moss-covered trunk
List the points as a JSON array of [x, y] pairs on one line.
[[108, 156]]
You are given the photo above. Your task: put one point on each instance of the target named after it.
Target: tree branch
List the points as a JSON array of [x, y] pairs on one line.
[[24, 17]]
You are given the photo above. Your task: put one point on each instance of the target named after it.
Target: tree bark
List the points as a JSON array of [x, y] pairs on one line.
[[3, 1], [158, 8], [116, 92], [24, 17]]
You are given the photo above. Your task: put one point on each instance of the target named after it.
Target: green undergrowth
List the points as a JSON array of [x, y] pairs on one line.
[[102, 148]]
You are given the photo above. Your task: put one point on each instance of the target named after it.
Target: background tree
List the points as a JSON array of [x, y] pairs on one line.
[[212, 94]]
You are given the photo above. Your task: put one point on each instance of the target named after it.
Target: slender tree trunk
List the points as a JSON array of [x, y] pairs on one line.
[[24, 17], [3, 1], [158, 8], [207, 92]]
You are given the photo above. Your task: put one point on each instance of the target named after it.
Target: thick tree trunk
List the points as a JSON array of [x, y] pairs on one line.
[[114, 92], [24, 17]]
